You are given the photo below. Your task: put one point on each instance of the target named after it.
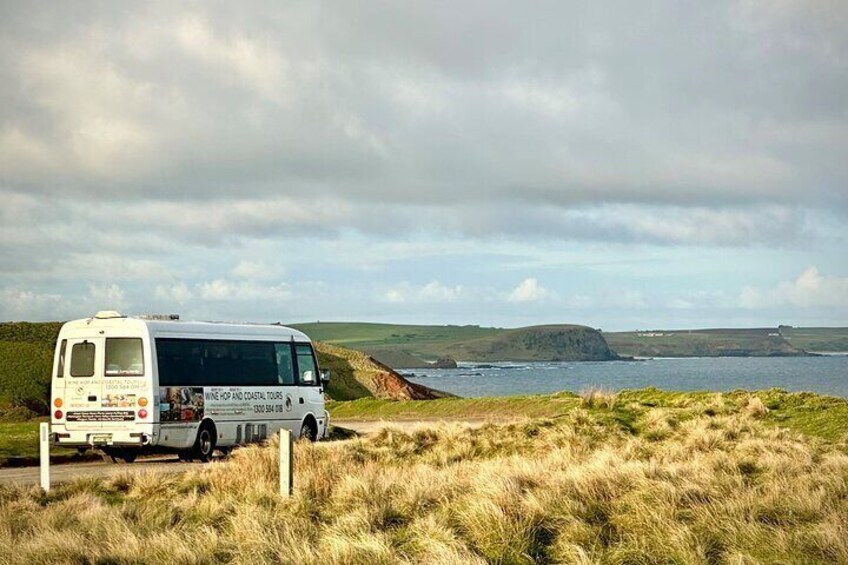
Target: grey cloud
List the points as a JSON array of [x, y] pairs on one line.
[[725, 104], [148, 228]]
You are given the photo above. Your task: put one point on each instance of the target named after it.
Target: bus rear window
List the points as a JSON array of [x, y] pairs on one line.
[[124, 356], [82, 359]]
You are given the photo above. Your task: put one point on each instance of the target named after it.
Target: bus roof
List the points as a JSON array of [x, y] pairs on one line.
[[187, 329]]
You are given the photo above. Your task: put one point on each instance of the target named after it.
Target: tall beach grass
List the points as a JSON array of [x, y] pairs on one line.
[[705, 482]]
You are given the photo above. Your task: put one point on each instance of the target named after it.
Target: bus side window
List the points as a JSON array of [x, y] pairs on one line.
[[285, 365], [82, 359], [60, 368], [306, 365]]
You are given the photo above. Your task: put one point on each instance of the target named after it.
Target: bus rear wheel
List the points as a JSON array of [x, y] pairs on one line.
[[118, 454], [204, 445]]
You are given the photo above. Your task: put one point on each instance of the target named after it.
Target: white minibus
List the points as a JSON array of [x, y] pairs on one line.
[[132, 384]]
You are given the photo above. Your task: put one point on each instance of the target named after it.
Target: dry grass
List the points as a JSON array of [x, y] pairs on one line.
[[700, 484], [598, 398]]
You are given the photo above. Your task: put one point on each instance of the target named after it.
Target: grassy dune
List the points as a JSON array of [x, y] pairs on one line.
[[812, 414], [703, 481]]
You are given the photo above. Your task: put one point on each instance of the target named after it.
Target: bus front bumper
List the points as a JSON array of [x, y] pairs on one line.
[[326, 433]]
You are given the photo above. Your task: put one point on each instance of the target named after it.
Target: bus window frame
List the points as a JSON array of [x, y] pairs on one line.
[[204, 341], [106, 372], [317, 377], [60, 365], [93, 360], [293, 353]]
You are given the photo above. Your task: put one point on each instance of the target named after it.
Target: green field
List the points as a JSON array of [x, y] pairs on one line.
[[817, 339], [19, 443], [409, 346], [419, 338], [759, 342]]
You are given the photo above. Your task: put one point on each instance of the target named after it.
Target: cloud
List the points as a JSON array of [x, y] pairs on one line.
[[810, 289], [19, 304], [255, 270], [396, 106], [181, 150], [179, 293], [432, 292], [224, 290], [529, 290]]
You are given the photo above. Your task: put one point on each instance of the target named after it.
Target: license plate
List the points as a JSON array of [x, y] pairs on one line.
[[99, 438]]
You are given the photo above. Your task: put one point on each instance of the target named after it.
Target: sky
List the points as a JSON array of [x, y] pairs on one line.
[[620, 165]]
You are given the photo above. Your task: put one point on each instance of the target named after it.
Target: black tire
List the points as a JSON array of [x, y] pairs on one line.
[[204, 445], [309, 430]]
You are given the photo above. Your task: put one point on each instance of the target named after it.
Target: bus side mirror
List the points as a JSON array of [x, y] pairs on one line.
[[325, 376]]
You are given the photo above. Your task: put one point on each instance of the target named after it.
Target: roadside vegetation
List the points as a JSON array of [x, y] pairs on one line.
[[26, 358], [641, 477]]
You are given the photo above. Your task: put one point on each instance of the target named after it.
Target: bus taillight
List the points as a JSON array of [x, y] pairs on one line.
[[142, 413], [142, 401], [57, 403], [58, 414]]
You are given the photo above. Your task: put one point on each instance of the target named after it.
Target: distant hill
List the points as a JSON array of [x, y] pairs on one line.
[[414, 346], [410, 346], [816, 339], [26, 359], [732, 342]]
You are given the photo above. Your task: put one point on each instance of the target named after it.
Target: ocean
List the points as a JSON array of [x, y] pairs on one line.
[[824, 375]]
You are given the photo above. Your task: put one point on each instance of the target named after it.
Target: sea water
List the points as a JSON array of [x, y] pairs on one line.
[[823, 375]]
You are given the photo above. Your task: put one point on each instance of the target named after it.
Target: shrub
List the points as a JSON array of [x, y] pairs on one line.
[[755, 408]]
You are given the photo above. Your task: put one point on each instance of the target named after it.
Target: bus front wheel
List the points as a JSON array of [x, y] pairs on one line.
[[309, 431], [204, 445]]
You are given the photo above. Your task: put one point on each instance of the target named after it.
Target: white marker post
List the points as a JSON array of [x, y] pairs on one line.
[[286, 450], [45, 456]]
